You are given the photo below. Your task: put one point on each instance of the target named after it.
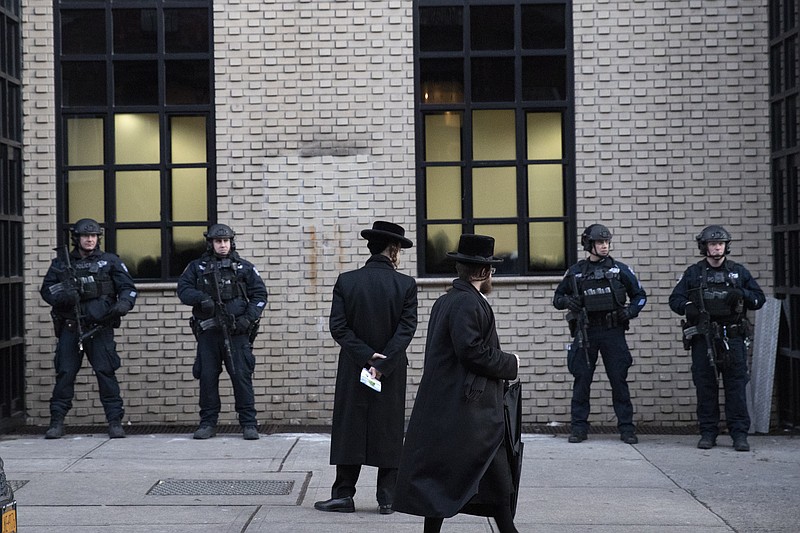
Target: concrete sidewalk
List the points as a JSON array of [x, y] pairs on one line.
[[170, 483]]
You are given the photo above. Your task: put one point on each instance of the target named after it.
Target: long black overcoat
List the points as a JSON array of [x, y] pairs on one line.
[[451, 440], [374, 310]]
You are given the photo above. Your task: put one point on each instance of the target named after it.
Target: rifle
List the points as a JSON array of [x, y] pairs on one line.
[[91, 333], [703, 327], [74, 280], [224, 319], [582, 321]]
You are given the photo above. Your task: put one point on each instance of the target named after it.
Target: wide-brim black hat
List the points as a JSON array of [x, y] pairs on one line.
[[383, 231], [476, 249]]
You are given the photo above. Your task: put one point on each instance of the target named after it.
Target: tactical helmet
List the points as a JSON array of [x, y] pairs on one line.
[[85, 226], [219, 231], [595, 232], [713, 233]]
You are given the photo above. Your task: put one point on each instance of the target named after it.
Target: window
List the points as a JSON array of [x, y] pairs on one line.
[[135, 130], [494, 131], [12, 281], [784, 94]]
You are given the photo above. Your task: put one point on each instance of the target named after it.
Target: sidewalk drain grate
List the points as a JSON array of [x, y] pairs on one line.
[[221, 487]]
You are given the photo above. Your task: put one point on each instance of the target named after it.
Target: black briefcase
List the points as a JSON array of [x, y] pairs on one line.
[[512, 410]]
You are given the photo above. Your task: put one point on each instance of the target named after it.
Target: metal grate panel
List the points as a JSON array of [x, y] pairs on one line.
[[221, 487], [762, 373], [17, 484]]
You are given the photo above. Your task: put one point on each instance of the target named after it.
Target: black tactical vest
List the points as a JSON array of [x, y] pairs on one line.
[[715, 289], [602, 288], [95, 281], [228, 286]]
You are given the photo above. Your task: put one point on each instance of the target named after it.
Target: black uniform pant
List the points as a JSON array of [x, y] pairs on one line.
[[347, 475], [208, 367], [102, 355], [734, 376], [617, 359]]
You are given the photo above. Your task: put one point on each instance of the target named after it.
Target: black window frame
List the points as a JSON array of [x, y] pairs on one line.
[[784, 52], [12, 245], [565, 106], [108, 110]]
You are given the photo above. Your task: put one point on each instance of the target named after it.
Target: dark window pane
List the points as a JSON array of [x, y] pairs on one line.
[[442, 81], [187, 82], [135, 31], [10, 59], [543, 26], [790, 62], [440, 239], [83, 83], [441, 29], [493, 79], [186, 30], [775, 69], [83, 31], [492, 27], [544, 78], [136, 82], [776, 125], [186, 245], [12, 103]]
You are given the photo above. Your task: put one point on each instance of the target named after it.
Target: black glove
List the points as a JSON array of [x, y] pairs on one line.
[[207, 307], [242, 325], [573, 303], [622, 315], [692, 312], [733, 296], [68, 298], [121, 308]]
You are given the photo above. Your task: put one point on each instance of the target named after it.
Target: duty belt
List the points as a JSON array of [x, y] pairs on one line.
[[731, 330], [606, 320]]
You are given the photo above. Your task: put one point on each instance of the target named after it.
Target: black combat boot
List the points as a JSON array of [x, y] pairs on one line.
[[56, 429], [740, 443], [577, 435], [707, 442], [205, 432], [115, 430]]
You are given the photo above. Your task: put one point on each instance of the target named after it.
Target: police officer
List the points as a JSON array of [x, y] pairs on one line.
[[227, 296], [89, 290], [714, 295], [606, 294]]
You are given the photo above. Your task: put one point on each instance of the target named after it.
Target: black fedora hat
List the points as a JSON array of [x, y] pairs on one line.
[[475, 249], [383, 231]]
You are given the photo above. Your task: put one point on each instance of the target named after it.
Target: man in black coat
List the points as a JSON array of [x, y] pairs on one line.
[[454, 458], [373, 318]]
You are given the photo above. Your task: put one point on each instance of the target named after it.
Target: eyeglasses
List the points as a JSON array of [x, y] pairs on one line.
[[492, 270]]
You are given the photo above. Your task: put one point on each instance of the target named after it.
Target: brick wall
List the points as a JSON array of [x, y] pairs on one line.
[[672, 135], [315, 137]]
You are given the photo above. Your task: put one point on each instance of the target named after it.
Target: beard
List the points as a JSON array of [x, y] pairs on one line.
[[486, 286]]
